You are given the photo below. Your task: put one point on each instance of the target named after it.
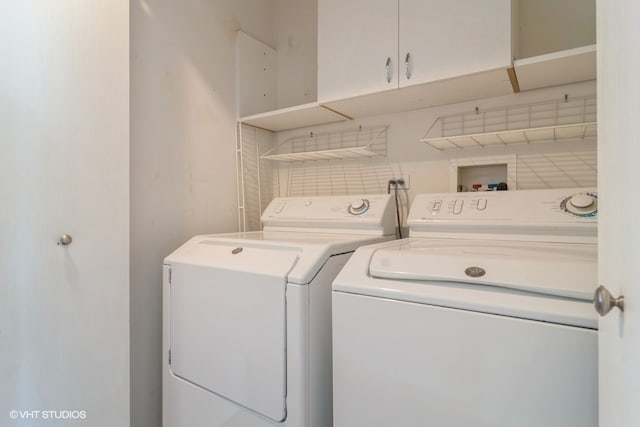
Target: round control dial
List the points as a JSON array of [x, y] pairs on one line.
[[582, 204], [358, 207]]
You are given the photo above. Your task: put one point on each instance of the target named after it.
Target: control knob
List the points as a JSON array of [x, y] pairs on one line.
[[582, 204], [358, 207]]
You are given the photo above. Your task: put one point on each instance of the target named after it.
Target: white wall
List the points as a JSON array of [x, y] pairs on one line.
[[183, 114]]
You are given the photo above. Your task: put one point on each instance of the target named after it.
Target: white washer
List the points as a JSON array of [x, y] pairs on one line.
[[247, 316], [482, 317]]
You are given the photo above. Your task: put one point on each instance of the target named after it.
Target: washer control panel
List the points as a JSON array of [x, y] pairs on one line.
[[520, 211]]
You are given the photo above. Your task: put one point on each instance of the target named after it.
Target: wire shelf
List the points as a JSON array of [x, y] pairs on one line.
[[351, 144], [521, 124]]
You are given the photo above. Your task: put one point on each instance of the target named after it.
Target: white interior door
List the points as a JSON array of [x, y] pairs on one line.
[[619, 200], [64, 167]]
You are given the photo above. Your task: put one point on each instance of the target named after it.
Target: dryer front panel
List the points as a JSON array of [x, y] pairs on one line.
[[228, 327]]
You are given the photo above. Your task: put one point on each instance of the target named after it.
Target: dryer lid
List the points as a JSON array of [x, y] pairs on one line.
[[562, 270], [254, 251]]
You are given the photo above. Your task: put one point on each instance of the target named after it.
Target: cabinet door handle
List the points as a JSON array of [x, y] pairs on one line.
[[388, 69], [407, 65]]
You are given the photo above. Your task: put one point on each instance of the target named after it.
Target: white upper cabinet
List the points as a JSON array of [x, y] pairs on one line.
[[441, 39], [384, 56], [357, 47], [368, 46]]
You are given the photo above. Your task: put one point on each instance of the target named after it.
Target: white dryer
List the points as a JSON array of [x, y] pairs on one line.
[[482, 317], [247, 316]]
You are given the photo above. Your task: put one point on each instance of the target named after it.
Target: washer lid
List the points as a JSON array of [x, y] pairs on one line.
[[556, 269]]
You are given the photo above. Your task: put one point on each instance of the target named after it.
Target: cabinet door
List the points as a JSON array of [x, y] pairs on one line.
[[447, 38], [356, 40]]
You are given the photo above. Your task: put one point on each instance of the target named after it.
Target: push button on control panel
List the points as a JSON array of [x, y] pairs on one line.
[[436, 206], [482, 204], [457, 206]]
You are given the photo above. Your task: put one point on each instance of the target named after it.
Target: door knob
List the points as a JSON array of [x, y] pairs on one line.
[[604, 301], [65, 240]]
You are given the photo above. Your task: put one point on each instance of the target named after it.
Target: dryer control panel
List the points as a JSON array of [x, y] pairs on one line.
[[550, 213], [362, 214]]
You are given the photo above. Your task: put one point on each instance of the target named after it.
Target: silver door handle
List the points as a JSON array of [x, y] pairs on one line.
[[603, 301], [65, 240], [407, 65], [388, 69]]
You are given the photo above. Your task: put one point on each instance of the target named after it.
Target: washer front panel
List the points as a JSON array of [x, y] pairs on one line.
[[404, 364]]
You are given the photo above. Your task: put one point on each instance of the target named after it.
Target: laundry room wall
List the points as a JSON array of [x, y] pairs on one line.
[[557, 164], [183, 114]]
